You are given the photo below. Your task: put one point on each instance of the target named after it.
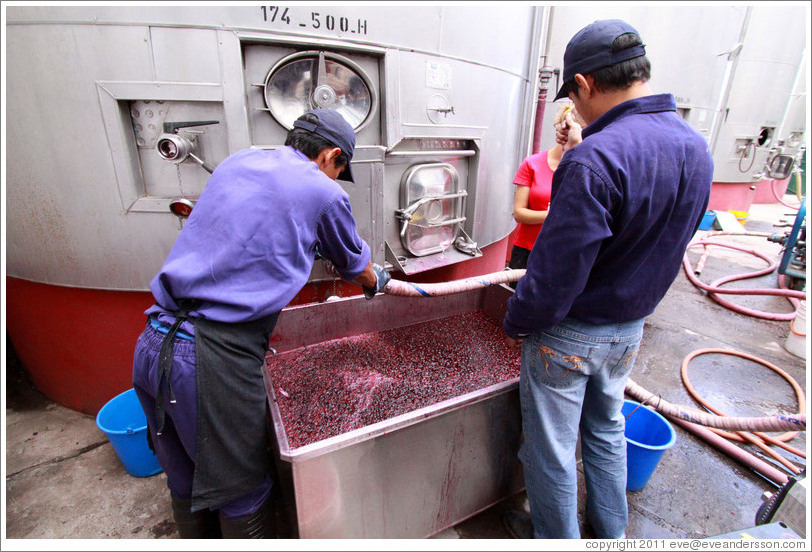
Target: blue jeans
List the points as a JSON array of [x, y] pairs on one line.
[[572, 378]]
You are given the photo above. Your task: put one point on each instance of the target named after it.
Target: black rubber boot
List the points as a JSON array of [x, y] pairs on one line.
[[203, 524], [259, 525]]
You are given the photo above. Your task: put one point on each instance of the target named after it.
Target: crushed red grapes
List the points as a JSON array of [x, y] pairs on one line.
[[331, 388]]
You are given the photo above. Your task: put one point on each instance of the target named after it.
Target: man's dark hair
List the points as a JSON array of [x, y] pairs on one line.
[[311, 144], [623, 74]]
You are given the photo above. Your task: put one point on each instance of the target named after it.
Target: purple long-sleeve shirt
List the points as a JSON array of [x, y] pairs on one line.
[[249, 245]]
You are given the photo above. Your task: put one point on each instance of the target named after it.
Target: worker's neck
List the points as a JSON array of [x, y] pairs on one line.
[[608, 100]]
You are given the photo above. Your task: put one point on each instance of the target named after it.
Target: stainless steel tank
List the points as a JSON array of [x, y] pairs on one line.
[[118, 113], [115, 110], [96, 95], [738, 74]]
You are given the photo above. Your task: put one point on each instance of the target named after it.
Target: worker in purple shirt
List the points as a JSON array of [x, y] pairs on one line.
[[246, 250], [627, 197]]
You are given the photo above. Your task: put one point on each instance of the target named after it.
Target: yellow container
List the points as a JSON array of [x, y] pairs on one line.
[[741, 216]]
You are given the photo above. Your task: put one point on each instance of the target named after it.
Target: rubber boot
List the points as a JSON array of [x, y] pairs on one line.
[[259, 525], [203, 524]]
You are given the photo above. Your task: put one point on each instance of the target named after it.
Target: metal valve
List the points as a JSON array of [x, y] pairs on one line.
[[178, 149], [174, 148]]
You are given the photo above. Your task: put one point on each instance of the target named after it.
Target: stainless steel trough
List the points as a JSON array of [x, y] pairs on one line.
[[410, 476]]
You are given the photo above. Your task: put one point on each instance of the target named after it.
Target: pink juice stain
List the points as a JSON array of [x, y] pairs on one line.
[[337, 386]]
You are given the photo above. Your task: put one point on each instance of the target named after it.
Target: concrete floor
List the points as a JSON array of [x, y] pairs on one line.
[[63, 479]]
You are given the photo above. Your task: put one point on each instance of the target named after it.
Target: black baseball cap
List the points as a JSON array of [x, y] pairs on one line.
[[591, 49], [336, 130]]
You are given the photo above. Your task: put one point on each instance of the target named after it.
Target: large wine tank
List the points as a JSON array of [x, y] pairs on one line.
[[116, 116]]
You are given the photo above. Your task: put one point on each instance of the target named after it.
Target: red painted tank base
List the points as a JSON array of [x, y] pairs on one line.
[[739, 196], [766, 190], [76, 344], [731, 196]]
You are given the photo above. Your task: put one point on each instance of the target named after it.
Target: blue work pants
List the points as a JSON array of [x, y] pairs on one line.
[[176, 446]]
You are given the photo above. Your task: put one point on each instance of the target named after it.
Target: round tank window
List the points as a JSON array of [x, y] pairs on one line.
[[765, 136], [309, 80]]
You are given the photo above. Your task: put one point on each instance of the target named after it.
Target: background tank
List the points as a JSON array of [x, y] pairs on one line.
[[738, 74]]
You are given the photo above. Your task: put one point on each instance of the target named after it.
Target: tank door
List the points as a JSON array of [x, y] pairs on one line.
[[427, 203], [433, 208]]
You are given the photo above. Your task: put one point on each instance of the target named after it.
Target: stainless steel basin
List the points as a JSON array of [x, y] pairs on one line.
[[412, 475]]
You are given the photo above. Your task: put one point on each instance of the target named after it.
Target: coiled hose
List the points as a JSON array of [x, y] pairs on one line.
[[758, 439], [715, 290], [693, 420]]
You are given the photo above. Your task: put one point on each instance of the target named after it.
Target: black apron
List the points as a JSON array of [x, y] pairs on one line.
[[233, 444]]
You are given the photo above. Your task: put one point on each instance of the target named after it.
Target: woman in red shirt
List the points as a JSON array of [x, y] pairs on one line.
[[534, 181]]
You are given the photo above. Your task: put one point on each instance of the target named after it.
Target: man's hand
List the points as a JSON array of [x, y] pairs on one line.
[[382, 278], [514, 343], [373, 278], [568, 133]]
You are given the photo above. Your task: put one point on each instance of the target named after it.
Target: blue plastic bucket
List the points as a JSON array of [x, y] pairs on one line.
[[648, 436], [707, 220], [123, 421]]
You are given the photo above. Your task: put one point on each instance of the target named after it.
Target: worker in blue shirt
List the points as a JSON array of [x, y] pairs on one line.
[[246, 250], [627, 197]]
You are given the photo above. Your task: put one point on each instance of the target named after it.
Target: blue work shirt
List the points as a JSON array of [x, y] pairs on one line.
[[249, 245], [625, 203]]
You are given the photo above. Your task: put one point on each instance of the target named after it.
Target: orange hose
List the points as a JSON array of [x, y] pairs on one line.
[[792, 329], [760, 440]]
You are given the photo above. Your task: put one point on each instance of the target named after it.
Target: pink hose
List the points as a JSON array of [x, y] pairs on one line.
[[742, 456], [410, 289], [797, 189], [795, 422], [698, 423], [714, 290], [693, 420], [759, 439], [538, 126]]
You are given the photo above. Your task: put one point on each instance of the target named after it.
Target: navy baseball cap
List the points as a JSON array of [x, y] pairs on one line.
[[336, 130], [591, 49]]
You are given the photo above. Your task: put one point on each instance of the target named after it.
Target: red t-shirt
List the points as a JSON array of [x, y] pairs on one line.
[[534, 172]]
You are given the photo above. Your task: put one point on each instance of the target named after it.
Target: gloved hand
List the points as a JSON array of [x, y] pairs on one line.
[[382, 278]]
